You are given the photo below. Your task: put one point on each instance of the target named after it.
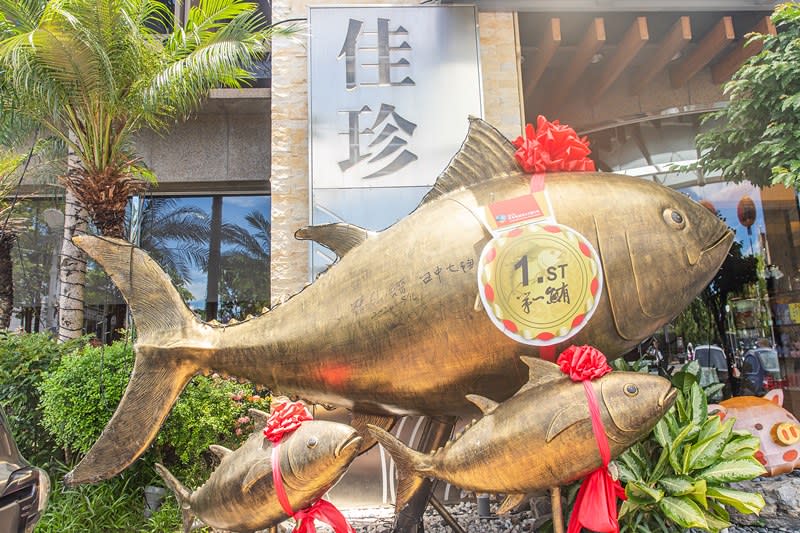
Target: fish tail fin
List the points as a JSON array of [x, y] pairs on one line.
[[182, 494], [411, 464], [159, 375]]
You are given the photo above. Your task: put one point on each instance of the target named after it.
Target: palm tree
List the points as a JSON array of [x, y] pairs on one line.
[[245, 268], [93, 72], [175, 236]]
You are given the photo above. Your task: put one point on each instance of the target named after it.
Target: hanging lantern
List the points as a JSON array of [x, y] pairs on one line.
[[746, 211]]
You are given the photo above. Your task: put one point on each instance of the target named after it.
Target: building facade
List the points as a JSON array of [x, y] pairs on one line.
[[636, 77]]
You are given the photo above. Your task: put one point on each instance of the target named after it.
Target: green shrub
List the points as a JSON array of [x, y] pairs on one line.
[[115, 505], [80, 394], [677, 477], [211, 410], [24, 359]]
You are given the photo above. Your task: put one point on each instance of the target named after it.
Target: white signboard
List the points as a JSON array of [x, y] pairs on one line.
[[390, 90]]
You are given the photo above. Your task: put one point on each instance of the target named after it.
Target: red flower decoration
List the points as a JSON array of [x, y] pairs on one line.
[[285, 418], [553, 147], [583, 363]]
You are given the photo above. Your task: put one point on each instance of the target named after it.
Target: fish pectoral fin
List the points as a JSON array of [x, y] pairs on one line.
[[540, 372], [258, 471], [220, 451], [182, 494], [486, 405], [565, 418], [511, 502], [360, 421], [339, 238]]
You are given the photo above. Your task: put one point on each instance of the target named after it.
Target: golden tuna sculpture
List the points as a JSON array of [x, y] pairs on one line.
[[393, 327], [241, 495], [539, 438]]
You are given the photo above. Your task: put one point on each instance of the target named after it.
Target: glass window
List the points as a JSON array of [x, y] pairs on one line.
[[216, 249]]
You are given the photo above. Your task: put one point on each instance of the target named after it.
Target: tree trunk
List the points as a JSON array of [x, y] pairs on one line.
[[72, 272], [6, 280]]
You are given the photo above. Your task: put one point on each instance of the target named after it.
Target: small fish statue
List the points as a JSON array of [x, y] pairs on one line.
[[539, 438], [241, 494]]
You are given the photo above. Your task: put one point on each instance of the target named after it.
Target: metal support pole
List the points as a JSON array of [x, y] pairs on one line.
[[558, 513], [445, 514]]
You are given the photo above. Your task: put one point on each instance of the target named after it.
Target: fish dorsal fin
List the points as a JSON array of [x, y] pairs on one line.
[[486, 405], [258, 417], [220, 451], [485, 154], [339, 237], [541, 372], [259, 470], [564, 418]]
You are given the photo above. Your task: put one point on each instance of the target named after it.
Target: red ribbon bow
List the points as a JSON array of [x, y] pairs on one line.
[[596, 504], [324, 511], [284, 419], [552, 148]]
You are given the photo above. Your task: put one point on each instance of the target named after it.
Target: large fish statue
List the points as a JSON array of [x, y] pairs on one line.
[[539, 438], [240, 494], [393, 328]]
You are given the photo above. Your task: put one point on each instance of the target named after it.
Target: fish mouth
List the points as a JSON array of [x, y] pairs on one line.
[[668, 399], [724, 239], [352, 440]]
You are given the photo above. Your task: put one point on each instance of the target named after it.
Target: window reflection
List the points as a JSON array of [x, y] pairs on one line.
[[216, 249]]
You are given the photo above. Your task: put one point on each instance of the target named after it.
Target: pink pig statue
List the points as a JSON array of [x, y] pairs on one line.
[[766, 418]]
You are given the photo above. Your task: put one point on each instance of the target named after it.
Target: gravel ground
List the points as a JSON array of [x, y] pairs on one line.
[[379, 520]]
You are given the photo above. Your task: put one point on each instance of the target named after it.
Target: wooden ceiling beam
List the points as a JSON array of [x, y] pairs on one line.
[[549, 43], [593, 40], [712, 44], [730, 63], [678, 37], [630, 45]]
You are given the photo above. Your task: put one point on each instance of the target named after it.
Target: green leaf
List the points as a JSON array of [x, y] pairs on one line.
[[661, 466], [740, 446], [711, 390], [744, 502], [672, 423], [714, 522], [698, 493], [704, 453], [699, 405], [630, 461], [732, 470], [676, 486], [683, 512], [625, 473], [641, 492], [711, 426], [661, 433]]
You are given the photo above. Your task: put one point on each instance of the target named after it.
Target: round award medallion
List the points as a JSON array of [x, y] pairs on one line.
[[540, 283]]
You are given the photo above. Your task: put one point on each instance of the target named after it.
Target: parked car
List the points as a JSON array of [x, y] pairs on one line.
[[713, 367], [24, 489], [761, 372]]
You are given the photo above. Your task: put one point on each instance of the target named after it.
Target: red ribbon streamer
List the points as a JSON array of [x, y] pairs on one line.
[[286, 418], [596, 503]]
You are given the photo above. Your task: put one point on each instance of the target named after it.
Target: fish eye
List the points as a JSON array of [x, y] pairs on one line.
[[631, 390], [312, 442], [674, 219]]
